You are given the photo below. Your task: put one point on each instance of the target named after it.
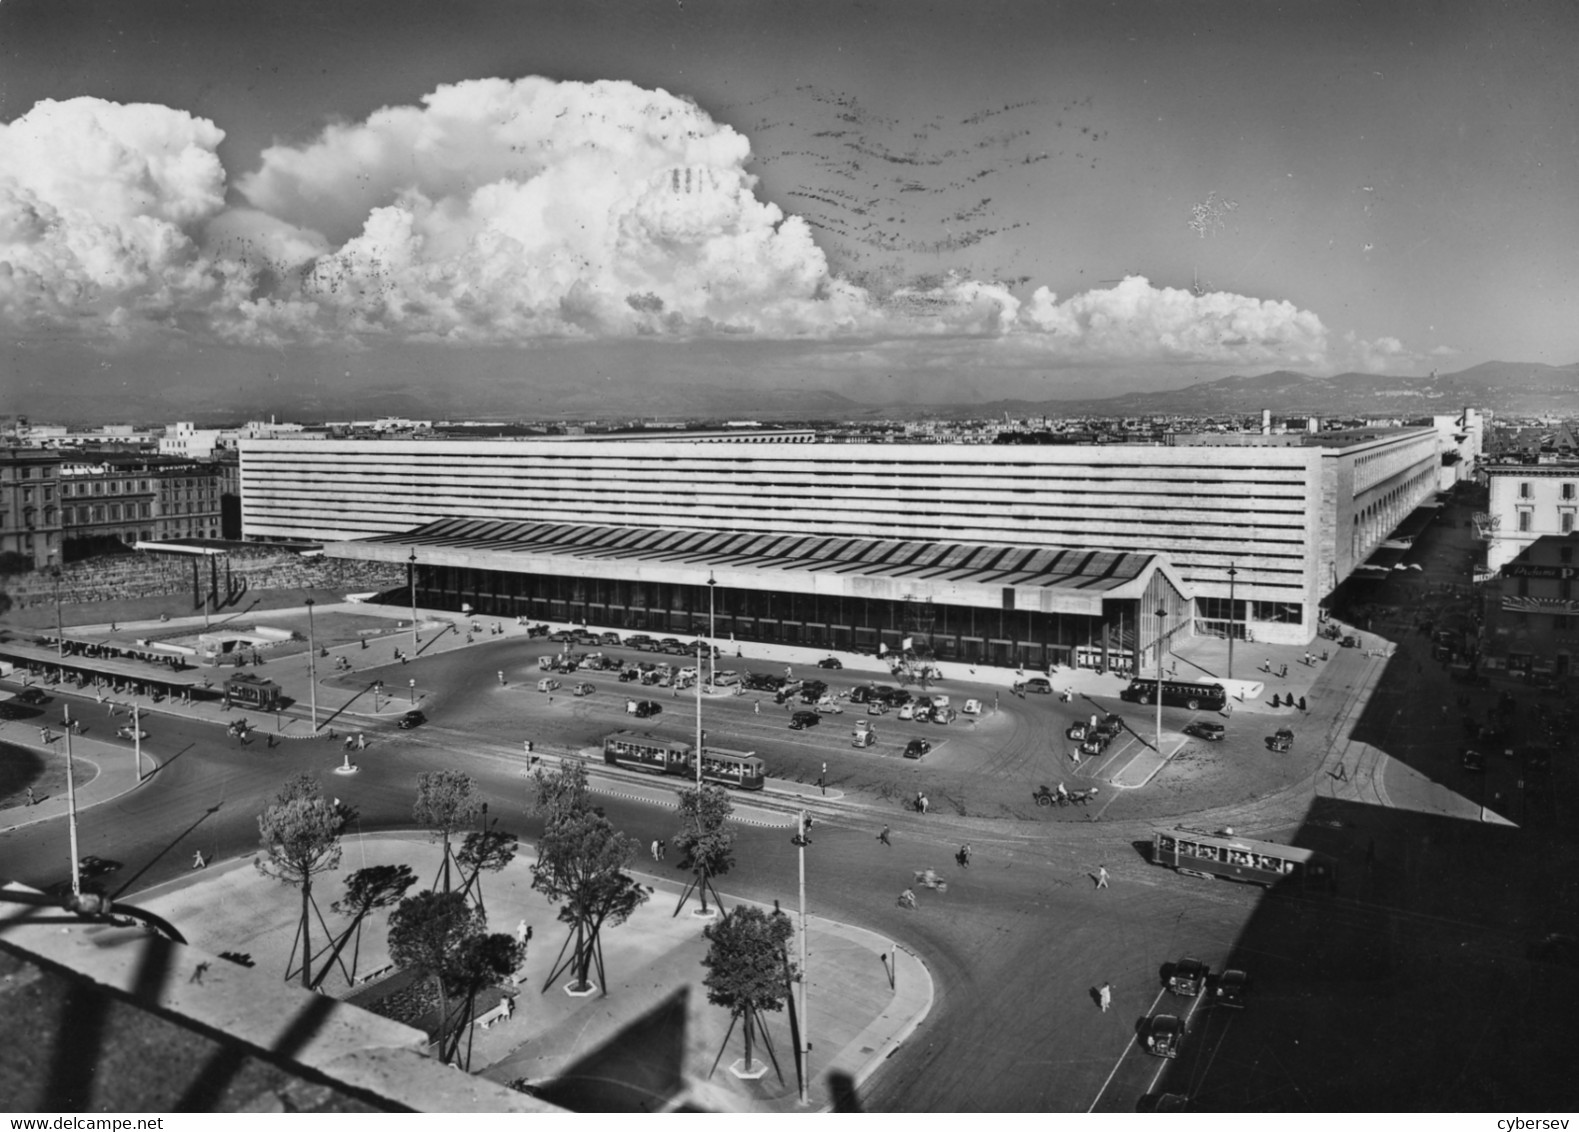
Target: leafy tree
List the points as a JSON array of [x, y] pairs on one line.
[[442, 936], [300, 835], [366, 890], [746, 969], [581, 862], [484, 850], [705, 842], [447, 801], [560, 791]]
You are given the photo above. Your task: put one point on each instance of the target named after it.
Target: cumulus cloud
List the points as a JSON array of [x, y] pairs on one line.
[[98, 206], [505, 212]]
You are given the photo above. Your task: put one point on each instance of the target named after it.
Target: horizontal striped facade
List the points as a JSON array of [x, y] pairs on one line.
[[1263, 510]]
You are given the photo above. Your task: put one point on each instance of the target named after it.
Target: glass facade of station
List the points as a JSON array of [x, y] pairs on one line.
[[1006, 637]]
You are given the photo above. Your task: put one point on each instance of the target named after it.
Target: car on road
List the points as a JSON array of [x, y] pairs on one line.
[[1188, 978], [609, 639], [972, 707], [876, 707], [548, 684], [563, 636], [1282, 740], [644, 709], [830, 662], [1472, 760], [917, 748], [804, 719], [763, 682], [670, 645], [583, 689], [32, 697], [1231, 988], [812, 690], [641, 642], [629, 674], [412, 719], [1041, 685], [828, 707], [862, 694], [91, 866], [1206, 729], [127, 731], [725, 679], [907, 711], [1164, 1035], [894, 697]]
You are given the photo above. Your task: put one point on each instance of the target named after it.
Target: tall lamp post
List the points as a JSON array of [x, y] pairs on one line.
[[54, 573], [412, 568], [1162, 615], [712, 633], [312, 665], [71, 806], [1233, 615]]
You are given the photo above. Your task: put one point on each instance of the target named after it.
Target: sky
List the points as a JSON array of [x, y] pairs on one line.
[[929, 202]]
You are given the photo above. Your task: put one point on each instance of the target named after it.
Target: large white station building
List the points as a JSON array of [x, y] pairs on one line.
[[1025, 555]]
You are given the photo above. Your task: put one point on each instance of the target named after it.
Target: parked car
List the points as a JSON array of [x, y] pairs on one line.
[[1206, 729], [725, 679], [640, 642], [127, 731], [609, 639], [917, 748], [895, 697], [562, 636], [629, 674], [583, 689], [412, 719], [972, 707], [862, 694], [1038, 684], [644, 709], [1164, 1035], [861, 738], [804, 719], [920, 711], [1472, 760], [877, 707], [547, 684], [1231, 988], [830, 662], [1188, 977], [33, 697], [907, 711], [670, 645], [828, 707], [944, 715]]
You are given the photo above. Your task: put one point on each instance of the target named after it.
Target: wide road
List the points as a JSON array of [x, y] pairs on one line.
[[1020, 941]]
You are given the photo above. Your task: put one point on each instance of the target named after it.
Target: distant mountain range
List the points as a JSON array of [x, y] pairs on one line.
[[1509, 388]]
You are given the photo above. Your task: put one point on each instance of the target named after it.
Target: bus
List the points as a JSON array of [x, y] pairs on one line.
[[1267, 863], [740, 769], [1178, 693]]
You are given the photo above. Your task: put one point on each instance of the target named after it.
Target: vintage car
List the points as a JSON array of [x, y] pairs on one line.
[[1281, 740], [1038, 684], [1206, 729], [1188, 978], [1231, 988], [1164, 1035], [830, 662], [1472, 760], [583, 689], [412, 719], [917, 748], [127, 731], [972, 707], [643, 709], [804, 719]]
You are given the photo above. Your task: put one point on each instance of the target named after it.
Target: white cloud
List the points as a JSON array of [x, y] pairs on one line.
[[508, 212], [98, 203]]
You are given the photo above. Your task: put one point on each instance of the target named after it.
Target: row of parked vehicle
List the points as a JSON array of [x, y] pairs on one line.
[[1190, 978]]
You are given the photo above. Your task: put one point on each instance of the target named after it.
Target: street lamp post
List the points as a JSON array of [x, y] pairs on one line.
[[1233, 611], [312, 665], [71, 806], [803, 1053], [413, 683], [137, 739], [698, 732], [712, 632], [412, 569], [1162, 615], [60, 636]]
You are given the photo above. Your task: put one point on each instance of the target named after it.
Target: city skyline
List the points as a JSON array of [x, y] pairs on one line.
[[1015, 201]]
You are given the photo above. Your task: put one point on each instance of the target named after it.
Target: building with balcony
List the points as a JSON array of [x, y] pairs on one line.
[[1528, 499]]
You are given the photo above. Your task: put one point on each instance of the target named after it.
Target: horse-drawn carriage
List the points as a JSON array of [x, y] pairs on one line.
[[1058, 796]]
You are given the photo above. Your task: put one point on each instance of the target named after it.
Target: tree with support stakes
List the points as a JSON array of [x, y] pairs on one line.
[[487, 850], [747, 973], [447, 802], [705, 842], [581, 863], [443, 937], [366, 891], [300, 835]]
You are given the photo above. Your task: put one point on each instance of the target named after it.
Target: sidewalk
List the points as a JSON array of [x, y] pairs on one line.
[[856, 1018]]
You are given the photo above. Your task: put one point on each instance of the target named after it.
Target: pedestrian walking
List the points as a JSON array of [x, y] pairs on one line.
[[964, 855], [655, 849], [663, 850], [1101, 876], [30, 799], [197, 860], [924, 803], [361, 741], [883, 837], [1105, 996], [501, 677], [756, 707], [1283, 672]]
